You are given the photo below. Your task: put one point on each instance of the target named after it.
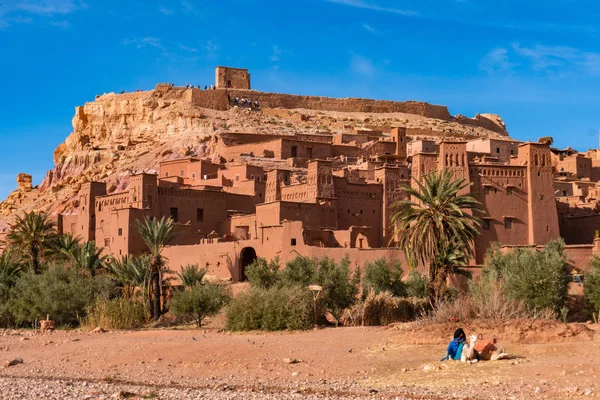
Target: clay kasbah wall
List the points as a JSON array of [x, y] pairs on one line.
[[277, 100]]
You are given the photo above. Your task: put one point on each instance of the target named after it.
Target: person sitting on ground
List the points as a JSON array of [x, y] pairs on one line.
[[454, 350]]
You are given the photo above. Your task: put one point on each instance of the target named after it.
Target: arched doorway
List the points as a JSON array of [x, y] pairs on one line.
[[247, 257]]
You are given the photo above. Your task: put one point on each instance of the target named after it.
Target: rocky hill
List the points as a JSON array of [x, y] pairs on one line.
[[118, 135]]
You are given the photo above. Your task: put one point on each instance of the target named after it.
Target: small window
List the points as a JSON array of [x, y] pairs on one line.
[[508, 223], [106, 242], [498, 150], [541, 197], [509, 191], [174, 212], [99, 206], [486, 190], [361, 211], [539, 174], [181, 173], [293, 242], [200, 215], [166, 174], [485, 224], [193, 176], [348, 211], [237, 178], [120, 231], [512, 152]]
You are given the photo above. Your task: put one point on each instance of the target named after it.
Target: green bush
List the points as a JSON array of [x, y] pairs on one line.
[[262, 274], [300, 271], [340, 286], [116, 314], [416, 285], [591, 285], [538, 278], [10, 271], [61, 293], [200, 301], [380, 276], [279, 308]]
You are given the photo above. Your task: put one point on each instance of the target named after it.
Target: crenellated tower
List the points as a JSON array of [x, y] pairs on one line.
[[542, 214]]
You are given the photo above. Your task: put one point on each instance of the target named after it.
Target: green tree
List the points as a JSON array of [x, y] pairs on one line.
[[340, 285], [31, 236], [591, 286], [10, 271], [301, 271], [416, 285], [380, 276], [156, 233], [438, 217], [62, 293], [191, 275], [538, 278], [200, 301], [264, 274]]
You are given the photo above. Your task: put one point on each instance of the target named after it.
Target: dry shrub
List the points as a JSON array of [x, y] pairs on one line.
[[384, 309], [116, 314], [484, 305]]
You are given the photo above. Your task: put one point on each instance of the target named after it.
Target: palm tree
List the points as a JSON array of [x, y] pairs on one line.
[[10, 267], [436, 226], [156, 234], [65, 246], [32, 235], [132, 273], [86, 257], [191, 275]]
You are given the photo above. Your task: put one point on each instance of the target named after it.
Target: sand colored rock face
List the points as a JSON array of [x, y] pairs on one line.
[[23, 181], [119, 135]]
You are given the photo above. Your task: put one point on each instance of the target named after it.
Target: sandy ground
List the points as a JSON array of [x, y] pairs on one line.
[[551, 361]]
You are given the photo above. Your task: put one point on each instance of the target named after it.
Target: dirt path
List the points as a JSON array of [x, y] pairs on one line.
[[346, 362]]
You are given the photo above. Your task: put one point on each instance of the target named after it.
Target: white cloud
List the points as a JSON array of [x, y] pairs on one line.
[[23, 11], [559, 58], [552, 60], [144, 42], [370, 29], [187, 6], [362, 66], [373, 7], [44, 7], [540, 26], [187, 48], [60, 24], [276, 56], [165, 11], [496, 61]]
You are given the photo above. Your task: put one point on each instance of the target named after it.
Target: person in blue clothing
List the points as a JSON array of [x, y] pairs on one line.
[[454, 350]]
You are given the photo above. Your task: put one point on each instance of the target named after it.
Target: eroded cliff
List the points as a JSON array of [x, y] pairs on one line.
[[118, 135]]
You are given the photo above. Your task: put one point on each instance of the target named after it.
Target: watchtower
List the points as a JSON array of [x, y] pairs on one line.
[[233, 78]]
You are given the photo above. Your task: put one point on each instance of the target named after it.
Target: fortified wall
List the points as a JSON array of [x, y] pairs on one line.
[[218, 100], [278, 100]]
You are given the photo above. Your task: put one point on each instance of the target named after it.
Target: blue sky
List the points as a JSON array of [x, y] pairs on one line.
[[536, 63]]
